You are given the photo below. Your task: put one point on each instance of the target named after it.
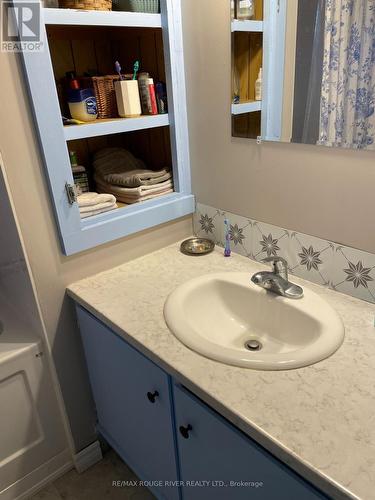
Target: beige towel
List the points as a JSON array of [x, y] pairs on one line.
[[133, 192], [129, 200], [137, 178], [135, 195]]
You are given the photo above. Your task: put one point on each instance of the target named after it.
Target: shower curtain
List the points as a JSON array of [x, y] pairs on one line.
[[347, 107]]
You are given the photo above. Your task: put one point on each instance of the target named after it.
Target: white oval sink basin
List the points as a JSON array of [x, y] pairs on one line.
[[224, 315]]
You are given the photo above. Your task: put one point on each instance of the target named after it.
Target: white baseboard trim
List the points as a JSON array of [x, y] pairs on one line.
[[38, 478], [88, 457]]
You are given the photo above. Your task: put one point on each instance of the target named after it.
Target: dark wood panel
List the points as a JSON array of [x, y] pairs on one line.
[[247, 125], [85, 48]]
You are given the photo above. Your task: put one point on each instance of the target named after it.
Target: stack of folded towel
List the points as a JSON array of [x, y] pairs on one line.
[[118, 172], [94, 204]]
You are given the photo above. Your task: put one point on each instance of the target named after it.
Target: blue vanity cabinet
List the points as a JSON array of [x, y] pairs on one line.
[[133, 403], [167, 435], [211, 449]]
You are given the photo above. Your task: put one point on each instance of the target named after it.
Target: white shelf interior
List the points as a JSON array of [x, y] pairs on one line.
[[246, 107], [71, 17], [114, 126], [247, 26]]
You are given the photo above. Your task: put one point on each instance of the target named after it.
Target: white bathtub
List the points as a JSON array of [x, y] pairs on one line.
[[31, 433]]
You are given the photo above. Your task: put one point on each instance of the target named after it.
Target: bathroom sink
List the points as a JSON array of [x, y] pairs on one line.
[[228, 318]]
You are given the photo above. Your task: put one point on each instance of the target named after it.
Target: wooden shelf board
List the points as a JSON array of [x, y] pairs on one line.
[[74, 17], [247, 26], [114, 126], [246, 107]]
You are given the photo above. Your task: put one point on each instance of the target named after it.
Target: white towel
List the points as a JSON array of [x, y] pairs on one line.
[[84, 215], [94, 199], [93, 204], [99, 206]]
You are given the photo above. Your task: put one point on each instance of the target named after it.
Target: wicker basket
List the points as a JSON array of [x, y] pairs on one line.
[[151, 6], [86, 4], [105, 95]]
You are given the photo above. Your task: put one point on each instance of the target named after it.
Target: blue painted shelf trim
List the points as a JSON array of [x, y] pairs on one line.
[[129, 220], [77, 235]]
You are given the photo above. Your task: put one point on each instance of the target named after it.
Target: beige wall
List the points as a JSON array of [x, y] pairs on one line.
[[318, 191], [52, 271]]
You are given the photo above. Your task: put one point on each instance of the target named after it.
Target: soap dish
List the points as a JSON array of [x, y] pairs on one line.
[[197, 246]]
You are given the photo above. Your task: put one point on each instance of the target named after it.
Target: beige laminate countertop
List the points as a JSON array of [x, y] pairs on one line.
[[320, 420]]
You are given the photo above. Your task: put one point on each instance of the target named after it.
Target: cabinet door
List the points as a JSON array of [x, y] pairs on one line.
[[133, 402], [212, 450]]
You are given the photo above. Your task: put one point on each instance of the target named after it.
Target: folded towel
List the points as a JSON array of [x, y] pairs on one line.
[[137, 178], [135, 195], [118, 166], [94, 203], [99, 206], [116, 160], [94, 199], [133, 192], [84, 215], [130, 200]]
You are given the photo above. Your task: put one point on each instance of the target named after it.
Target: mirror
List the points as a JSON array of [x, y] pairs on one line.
[[318, 76]]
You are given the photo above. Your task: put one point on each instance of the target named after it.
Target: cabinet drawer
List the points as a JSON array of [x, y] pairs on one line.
[[133, 402], [215, 451]]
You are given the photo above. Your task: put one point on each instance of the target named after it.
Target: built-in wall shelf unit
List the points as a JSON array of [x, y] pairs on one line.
[[247, 26], [80, 48], [246, 107]]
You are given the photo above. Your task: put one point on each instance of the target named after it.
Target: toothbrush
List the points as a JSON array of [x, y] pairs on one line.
[[118, 70], [136, 68], [227, 250]]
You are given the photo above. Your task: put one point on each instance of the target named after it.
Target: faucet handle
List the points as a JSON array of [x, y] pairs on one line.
[[279, 266]]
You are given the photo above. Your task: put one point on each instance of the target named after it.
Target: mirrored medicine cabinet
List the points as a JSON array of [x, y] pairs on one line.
[[303, 71]]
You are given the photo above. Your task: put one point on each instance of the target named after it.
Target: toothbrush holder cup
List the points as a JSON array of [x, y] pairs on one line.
[[127, 97]]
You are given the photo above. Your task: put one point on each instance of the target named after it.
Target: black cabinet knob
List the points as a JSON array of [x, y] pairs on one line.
[[185, 431], [152, 396]]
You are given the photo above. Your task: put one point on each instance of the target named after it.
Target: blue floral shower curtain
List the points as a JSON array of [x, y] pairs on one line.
[[347, 109]]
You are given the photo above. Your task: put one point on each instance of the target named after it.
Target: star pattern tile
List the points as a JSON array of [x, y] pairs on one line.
[[341, 268]]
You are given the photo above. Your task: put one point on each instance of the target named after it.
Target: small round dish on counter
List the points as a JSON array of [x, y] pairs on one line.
[[197, 246]]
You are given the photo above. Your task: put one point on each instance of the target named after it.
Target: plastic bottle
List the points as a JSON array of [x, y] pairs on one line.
[[245, 9], [81, 180], [258, 86], [144, 92], [82, 104], [151, 88], [161, 97]]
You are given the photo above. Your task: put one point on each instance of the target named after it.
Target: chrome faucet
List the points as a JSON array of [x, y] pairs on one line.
[[277, 281]]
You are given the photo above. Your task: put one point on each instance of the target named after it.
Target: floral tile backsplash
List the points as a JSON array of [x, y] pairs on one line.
[[341, 268]]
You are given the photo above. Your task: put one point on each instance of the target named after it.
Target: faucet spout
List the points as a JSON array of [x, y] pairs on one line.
[[277, 281]]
